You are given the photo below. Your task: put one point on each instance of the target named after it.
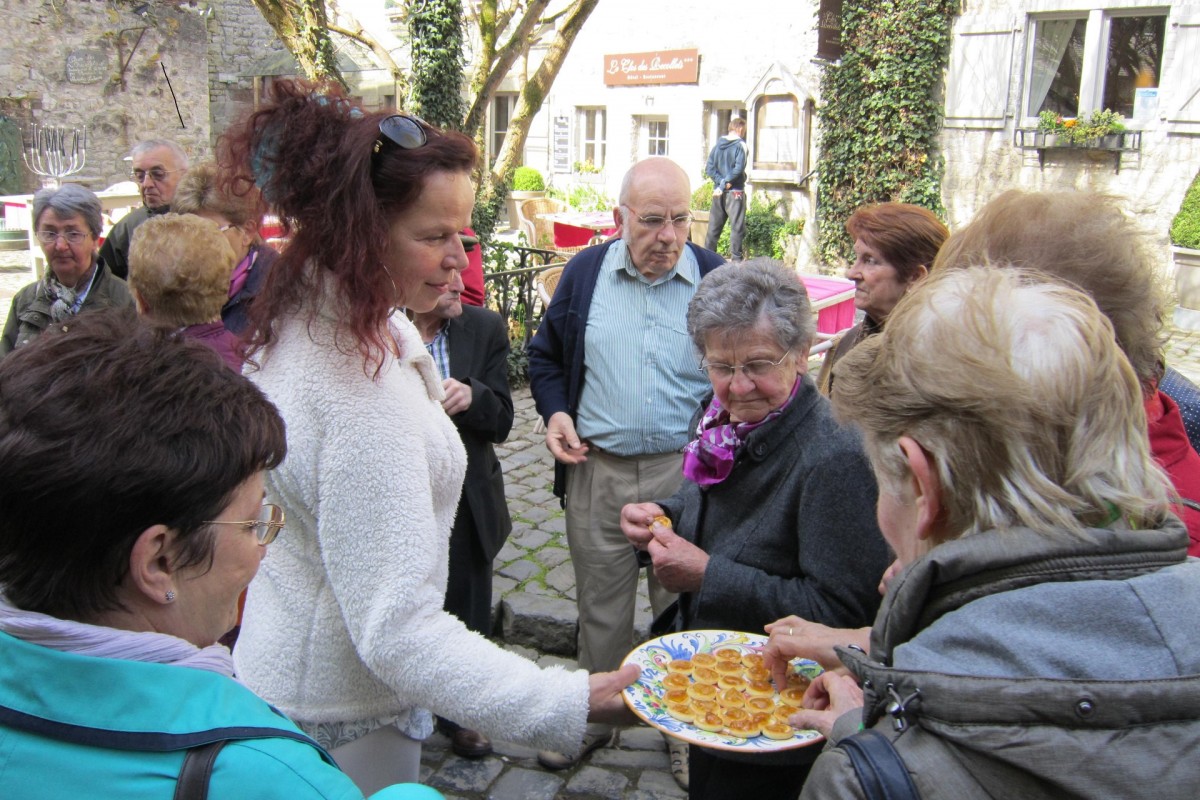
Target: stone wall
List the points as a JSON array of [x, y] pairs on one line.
[[239, 40], [100, 66]]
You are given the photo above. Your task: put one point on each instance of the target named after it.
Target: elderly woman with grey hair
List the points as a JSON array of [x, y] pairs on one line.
[[776, 515], [67, 225]]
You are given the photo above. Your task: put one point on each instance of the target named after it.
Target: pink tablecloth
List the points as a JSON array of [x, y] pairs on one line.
[[833, 300]]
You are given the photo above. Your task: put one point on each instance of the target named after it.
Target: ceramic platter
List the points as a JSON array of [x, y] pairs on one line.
[[644, 696]]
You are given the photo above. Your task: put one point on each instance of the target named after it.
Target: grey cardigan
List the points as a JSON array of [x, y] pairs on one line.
[[792, 529]]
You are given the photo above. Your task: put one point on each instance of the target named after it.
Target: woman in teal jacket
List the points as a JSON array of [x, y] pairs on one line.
[[131, 518]]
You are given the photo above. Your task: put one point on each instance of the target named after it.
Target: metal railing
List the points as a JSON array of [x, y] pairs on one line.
[[511, 292]]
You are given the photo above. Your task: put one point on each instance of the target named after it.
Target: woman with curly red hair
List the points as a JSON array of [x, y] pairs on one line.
[[344, 628]]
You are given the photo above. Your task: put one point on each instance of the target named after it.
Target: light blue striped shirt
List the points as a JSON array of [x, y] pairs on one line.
[[643, 381], [439, 348]]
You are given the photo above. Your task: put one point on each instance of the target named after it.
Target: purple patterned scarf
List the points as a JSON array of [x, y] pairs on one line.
[[709, 458]]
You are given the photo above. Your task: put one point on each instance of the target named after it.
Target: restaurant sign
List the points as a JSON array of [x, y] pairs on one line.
[[656, 66]]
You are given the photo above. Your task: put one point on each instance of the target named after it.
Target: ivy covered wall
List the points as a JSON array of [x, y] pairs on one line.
[[881, 113]]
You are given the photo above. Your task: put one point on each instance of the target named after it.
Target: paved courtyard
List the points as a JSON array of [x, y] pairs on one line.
[[534, 589]]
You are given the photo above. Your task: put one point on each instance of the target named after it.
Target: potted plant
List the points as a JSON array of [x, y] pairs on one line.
[[1185, 251], [1050, 126], [527, 184], [702, 200], [1099, 129]]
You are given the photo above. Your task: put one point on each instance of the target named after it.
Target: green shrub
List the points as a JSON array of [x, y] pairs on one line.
[[766, 229], [584, 197], [703, 196], [1185, 228], [518, 364], [528, 179]]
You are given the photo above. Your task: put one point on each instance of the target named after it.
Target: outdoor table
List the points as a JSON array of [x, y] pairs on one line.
[[833, 300], [577, 228]]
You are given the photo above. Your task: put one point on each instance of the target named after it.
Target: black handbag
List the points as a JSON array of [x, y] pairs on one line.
[[879, 768]]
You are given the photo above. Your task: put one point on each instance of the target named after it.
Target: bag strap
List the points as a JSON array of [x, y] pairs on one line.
[[196, 771], [879, 767]]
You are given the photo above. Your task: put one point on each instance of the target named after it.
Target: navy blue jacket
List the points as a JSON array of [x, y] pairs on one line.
[[556, 367]]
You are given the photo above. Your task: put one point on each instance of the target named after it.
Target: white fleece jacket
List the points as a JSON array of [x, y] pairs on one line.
[[344, 620]]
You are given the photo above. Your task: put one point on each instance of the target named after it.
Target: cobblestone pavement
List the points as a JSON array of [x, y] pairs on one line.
[[534, 589]]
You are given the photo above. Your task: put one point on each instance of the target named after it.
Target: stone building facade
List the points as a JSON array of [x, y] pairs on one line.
[[759, 58], [127, 71]]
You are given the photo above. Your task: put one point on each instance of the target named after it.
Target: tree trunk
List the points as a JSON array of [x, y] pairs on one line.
[[494, 64], [303, 28], [493, 188]]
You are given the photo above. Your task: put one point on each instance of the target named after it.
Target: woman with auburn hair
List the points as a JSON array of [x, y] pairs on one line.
[[894, 248], [239, 216], [1040, 639], [1085, 240], [344, 628]]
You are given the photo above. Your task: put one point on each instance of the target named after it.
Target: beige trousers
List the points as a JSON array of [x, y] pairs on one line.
[[606, 570]]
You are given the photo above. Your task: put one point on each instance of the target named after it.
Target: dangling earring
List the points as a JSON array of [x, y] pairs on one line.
[[396, 303], [170, 596]]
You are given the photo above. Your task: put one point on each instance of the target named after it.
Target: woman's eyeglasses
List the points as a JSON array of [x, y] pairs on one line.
[[754, 370], [407, 133], [72, 237], [268, 525]]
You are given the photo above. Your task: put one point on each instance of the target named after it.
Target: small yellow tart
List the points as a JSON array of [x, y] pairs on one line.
[[702, 691], [704, 660], [752, 660], [709, 722], [677, 696], [676, 680], [705, 675], [728, 668], [777, 729], [706, 706], [732, 682], [760, 689], [745, 728], [728, 654], [680, 665], [731, 698], [764, 704], [731, 714], [792, 697], [681, 712], [758, 674]]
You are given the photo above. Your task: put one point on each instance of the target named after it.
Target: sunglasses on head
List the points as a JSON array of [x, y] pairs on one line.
[[402, 130]]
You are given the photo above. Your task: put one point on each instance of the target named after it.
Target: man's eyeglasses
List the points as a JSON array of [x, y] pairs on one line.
[[658, 222], [268, 525], [402, 130], [156, 174], [72, 237], [754, 370]]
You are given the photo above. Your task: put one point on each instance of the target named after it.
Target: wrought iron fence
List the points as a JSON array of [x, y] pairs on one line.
[[510, 289]]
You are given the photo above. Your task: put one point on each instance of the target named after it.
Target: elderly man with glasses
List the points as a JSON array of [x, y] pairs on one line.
[[158, 164], [615, 377]]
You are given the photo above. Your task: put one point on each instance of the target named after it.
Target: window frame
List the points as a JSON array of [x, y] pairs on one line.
[[649, 137], [599, 143], [495, 134], [1097, 34]]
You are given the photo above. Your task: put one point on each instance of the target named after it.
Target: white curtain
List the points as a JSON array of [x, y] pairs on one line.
[[1050, 41]]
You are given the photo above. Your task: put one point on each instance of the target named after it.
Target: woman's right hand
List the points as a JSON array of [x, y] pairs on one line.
[[635, 523], [605, 703], [831, 695], [793, 637]]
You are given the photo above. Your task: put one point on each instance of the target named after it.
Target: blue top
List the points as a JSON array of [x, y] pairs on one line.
[[76, 726], [644, 381], [556, 353]]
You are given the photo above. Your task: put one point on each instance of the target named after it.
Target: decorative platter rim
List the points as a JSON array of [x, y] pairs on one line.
[[644, 696]]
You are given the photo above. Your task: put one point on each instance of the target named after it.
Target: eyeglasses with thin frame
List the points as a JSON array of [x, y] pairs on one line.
[[658, 221], [754, 370], [51, 237], [403, 130], [268, 525], [156, 174]]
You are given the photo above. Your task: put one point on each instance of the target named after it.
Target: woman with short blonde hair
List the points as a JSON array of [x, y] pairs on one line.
[[179, 267]]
